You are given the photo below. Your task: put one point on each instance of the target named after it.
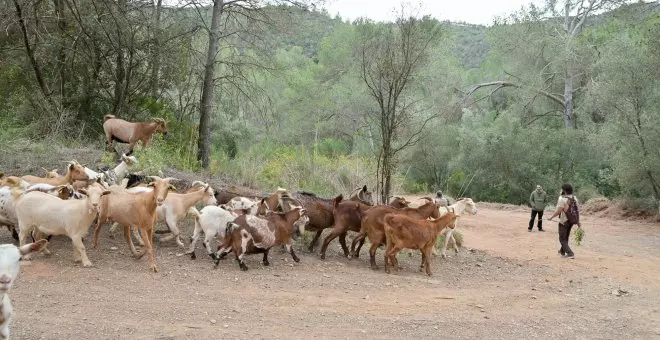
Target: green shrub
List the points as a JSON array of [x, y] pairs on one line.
[[441, 240]]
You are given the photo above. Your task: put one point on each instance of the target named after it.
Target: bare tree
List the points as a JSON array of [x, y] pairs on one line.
[[391, 55]]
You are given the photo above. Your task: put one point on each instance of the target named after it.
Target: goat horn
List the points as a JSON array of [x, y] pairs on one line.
[[170, 179], [154, 178]]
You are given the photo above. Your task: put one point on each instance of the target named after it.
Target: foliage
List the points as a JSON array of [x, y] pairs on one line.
[[291, 107]]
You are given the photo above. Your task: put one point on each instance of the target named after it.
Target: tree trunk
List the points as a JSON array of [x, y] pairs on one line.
[[155, 62], [569, 122], [120, 72], [61, 52], [30, 52], [206, 106]]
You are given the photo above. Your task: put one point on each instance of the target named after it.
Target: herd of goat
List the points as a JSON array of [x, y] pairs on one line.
[[40, 207]]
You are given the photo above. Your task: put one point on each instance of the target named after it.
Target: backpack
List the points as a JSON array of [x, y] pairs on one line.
[[572, 212]]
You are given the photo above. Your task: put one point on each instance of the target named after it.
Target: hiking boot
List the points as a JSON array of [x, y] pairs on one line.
[[530, 230], [541, 229], [561, 253], [571, 256]]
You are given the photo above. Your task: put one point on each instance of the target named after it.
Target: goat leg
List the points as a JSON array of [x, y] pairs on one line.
[[80, 248], [355, 253], [239, 259], [295, 258], [315, 240], [129, 242], [147, 236], [337, 231], [265, 260], [342, 242], [22, 240]]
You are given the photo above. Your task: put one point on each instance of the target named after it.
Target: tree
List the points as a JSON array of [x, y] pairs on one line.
[[626, 93], [391, 56], [239, 25], [573, 15], [208, 85]]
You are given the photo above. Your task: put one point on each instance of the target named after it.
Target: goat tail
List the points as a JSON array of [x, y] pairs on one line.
[[193, 211], [17, 194], [230, 228], [106, 117], [337, 200]]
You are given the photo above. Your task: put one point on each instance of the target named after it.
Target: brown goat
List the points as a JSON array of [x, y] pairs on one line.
[[320, 213], [373, 226], [405, 232], [134, 209], [347, 216], [75, 172], [128, 132], [253, 235]]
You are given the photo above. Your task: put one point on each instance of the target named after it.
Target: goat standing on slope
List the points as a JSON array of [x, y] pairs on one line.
[[10, 257], [128, 132]]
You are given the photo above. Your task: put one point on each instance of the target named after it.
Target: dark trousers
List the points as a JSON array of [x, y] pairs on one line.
[[564, 233], [540, 223]]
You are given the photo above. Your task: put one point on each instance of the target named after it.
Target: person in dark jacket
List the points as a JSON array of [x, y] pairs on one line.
[[537, 200], [565, 224]]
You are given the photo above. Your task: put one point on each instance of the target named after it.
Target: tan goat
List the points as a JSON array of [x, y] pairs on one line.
[[405, 232], [128, 132], [75, 172], [54, 216], [137, 209], [175, 207]]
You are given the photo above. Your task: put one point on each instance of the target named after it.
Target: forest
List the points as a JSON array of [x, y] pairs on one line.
[[283, 94]]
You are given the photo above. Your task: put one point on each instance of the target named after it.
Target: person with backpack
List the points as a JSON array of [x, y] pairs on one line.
[[569, 215], [537, 201]]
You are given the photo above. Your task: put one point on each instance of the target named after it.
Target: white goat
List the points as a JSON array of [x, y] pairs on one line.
[[212, 222], [53, 216], [243, 203], [7, 211], [117, 175], [10, 255]]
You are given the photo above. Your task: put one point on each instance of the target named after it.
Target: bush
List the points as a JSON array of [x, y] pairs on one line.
[[441, 240]]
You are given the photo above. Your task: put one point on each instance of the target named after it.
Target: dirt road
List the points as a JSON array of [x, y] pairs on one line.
[[512, 284]]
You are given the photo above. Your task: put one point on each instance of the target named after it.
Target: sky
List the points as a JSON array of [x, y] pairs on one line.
[[470, 11]]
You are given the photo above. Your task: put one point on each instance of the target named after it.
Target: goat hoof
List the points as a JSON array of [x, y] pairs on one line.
[[244, 268], [374, 268], [193, 256], [295, 259], [322, 256], [155, 269], [266, 263], [87, 264]]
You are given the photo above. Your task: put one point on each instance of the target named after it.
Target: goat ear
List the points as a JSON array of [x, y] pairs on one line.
[[303, 212], [171, 187], [83, 191], [106, 192], [33, 247], [364, 188], [71, 165], [151, 184]]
